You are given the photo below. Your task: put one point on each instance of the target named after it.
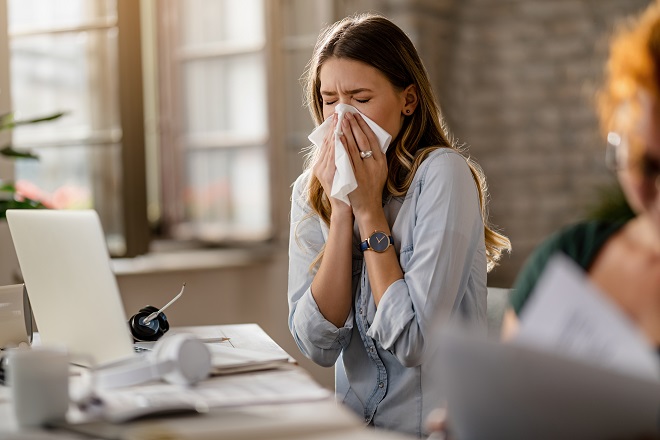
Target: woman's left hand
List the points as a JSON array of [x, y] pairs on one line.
[[370, 172]]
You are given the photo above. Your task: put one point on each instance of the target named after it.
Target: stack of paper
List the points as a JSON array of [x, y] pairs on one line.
[[229, 360], [156, 398]]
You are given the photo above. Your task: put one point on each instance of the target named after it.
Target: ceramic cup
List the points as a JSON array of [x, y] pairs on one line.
[[39, 381], [15, 316]]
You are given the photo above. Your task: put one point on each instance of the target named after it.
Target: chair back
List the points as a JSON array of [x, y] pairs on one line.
[[497, 303]]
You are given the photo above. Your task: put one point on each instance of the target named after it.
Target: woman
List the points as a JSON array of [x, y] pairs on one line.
[[622, 258], [366, 277]]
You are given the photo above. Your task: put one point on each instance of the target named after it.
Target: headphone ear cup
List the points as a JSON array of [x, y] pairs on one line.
[[148, 332], [190, 358], [163, 324], [140, 332]]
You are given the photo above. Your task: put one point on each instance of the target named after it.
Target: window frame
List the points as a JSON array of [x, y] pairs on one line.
[[173, 151], [132, 196]]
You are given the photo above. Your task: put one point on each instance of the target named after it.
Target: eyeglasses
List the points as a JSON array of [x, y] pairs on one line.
[[644, 169]]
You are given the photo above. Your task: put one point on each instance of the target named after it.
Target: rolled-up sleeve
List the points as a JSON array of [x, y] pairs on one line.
[[317, 338], [447, 233]]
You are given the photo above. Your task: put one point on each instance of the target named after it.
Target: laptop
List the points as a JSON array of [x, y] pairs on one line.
[[516, 391], [73, 292]]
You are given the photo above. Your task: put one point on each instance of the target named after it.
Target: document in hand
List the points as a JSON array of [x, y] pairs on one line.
[[568, 314], [577, 370]]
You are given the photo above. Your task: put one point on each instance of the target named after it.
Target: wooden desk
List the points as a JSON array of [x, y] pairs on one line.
[[317, 419]]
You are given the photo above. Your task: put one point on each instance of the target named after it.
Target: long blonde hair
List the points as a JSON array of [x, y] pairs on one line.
[[376, 41]]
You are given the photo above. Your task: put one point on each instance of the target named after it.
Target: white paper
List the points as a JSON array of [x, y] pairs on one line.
[[344, 181], [227, 359], [567, 314], [276, 386]]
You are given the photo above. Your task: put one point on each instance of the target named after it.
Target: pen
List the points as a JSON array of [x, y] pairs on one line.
[[216, 339]]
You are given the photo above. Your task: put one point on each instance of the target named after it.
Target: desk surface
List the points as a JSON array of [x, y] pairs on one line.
[[316, 417]]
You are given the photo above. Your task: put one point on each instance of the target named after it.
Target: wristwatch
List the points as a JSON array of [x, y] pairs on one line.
[[378, 241]]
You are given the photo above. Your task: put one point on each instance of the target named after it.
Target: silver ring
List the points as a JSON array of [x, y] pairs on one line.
[[366, 154], [339, 133]]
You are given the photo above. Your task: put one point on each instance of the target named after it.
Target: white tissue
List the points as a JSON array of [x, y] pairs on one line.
[[344, 181]]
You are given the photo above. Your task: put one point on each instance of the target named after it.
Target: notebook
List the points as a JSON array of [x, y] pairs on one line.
[[73, 292]]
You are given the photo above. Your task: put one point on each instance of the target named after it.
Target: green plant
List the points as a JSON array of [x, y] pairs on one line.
[[9, 197]]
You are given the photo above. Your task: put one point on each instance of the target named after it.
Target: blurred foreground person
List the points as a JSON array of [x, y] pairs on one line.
[[622, 258]]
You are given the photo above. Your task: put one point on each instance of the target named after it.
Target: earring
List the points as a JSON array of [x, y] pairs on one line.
[[408, 111]]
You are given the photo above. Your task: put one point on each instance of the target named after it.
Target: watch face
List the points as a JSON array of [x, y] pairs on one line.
[[379, 242]]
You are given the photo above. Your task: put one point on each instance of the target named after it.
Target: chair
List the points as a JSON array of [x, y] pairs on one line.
[[497, 302]]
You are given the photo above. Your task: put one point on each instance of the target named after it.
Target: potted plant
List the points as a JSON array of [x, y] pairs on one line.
[[10, 197]]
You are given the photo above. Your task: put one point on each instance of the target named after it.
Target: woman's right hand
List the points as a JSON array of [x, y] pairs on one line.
[[325, 168]]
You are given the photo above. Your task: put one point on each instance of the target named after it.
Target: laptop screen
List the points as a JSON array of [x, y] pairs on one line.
[[75, 300]]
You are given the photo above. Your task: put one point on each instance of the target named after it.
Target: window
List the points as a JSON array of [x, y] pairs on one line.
[[65, 56], [193, 134], [216, 143]]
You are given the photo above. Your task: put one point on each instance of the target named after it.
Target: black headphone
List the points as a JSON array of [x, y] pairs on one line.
[[156, 322], [152, 331]]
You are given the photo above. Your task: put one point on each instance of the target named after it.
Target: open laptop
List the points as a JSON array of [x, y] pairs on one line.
[[73, 292], [515, 391]]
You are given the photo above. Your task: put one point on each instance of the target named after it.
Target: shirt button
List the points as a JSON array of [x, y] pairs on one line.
[[381, 384], [360, 311], [366, 419]]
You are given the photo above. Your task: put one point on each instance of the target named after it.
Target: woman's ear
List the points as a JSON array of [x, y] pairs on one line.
[[410, 100]]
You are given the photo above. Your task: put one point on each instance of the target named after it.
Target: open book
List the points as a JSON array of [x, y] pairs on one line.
[[578, 369]]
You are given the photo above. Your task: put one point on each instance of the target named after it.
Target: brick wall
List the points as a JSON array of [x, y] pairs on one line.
[[516, 81]]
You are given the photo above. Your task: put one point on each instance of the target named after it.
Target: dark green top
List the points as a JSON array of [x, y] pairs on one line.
[[581, 242]]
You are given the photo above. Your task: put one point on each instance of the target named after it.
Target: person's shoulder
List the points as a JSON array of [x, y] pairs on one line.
[[579, 241], [301, 182], [439, 154], [442, 158], [300, 185], [582, 237]]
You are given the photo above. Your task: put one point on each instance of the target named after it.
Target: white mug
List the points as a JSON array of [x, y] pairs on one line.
[[15, 316], [39, 381]]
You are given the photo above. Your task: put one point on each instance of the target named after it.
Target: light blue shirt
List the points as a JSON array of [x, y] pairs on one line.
[[439, 237]]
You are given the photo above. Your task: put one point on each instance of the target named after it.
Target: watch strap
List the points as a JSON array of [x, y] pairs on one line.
[[364, 245]]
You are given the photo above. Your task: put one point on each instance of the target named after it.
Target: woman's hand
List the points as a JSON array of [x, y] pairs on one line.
[[370, 172], [324, 169]]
